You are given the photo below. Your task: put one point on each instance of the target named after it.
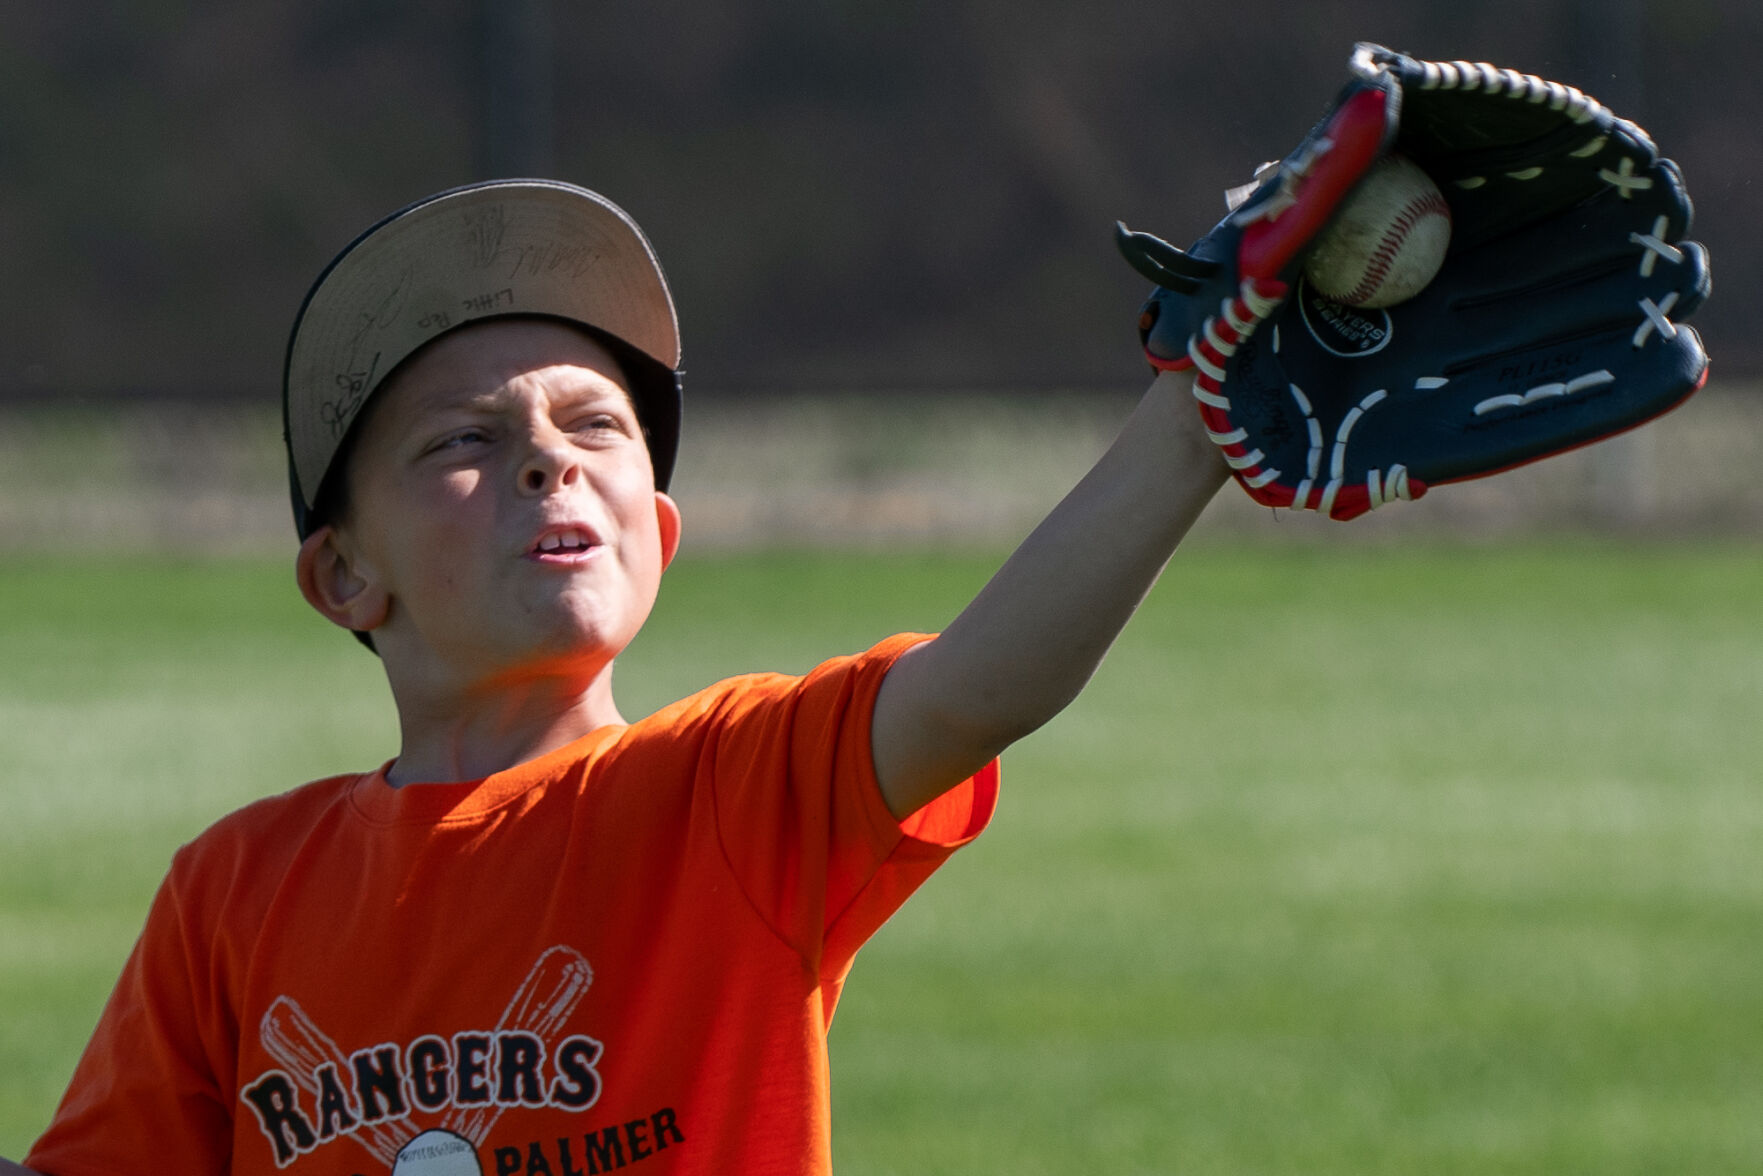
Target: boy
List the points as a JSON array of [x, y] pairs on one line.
[[482, 412]]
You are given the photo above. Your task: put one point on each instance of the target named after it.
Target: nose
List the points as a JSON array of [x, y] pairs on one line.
[[551, 462]]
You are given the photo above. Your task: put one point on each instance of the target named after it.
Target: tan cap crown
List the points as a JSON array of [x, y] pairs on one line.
[[507, 247]]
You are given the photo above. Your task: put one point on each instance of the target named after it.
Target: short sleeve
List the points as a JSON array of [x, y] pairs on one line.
[[144, 1095], [801, 815]]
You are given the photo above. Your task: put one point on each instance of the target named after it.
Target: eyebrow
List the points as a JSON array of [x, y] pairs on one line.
[[493, 399]]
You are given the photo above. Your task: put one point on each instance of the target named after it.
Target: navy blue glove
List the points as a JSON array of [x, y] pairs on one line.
[[1554, 321]]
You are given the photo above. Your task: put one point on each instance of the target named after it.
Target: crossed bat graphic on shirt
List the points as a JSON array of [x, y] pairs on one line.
[[540, 1006]]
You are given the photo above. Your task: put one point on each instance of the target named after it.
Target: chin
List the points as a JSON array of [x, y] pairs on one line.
[[576, 640]]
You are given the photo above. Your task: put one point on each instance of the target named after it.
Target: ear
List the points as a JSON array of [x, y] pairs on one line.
[[332, 582], [668, 515]]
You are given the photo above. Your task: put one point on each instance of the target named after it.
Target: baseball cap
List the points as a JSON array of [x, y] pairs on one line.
[[488, 250]]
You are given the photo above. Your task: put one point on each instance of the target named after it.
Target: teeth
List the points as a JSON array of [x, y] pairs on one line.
[[570, 540]]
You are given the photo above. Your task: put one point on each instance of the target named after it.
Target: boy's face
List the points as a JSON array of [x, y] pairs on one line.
[[503, 517]]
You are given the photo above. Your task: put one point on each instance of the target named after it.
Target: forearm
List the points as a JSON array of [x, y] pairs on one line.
[[1034, 636]]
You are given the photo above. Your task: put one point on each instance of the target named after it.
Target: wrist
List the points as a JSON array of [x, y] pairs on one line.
[[1188, 445]]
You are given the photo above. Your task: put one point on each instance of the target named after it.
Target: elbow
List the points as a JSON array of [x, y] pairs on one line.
[[986, 722]]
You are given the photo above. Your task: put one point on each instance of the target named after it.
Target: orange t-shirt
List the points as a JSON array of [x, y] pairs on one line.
[[622, 954]]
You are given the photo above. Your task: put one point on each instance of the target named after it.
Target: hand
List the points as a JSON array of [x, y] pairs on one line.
[[1555, 320]]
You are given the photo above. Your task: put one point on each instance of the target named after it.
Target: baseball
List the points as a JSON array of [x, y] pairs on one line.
[[1386, 242]]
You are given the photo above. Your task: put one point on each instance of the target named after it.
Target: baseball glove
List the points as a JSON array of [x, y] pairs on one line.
[[1554, 321]]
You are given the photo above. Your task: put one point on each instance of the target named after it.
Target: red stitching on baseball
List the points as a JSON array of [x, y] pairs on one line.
[[1378, 267]]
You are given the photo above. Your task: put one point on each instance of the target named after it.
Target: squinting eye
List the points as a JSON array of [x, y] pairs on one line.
[[463, 437]]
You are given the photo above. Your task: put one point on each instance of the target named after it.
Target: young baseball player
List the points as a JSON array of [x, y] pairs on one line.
[[543, 939]]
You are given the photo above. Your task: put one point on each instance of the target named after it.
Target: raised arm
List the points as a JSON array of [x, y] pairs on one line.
[[1035, 634]]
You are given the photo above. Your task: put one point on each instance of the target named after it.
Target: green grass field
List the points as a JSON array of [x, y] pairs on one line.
[[1350, 861]]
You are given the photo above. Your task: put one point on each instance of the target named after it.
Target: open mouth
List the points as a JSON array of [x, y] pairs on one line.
[[565, 541]]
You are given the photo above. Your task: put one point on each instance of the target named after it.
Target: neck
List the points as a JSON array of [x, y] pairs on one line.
[[450, 732]]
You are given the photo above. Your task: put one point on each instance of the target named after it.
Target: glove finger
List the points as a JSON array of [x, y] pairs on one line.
[[1479, 425], [1592, 273]]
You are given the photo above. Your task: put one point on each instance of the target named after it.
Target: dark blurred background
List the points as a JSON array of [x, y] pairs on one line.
[[892, 194]]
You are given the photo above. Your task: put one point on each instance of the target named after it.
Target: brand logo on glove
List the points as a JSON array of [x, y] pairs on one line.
[[1350, 332]]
